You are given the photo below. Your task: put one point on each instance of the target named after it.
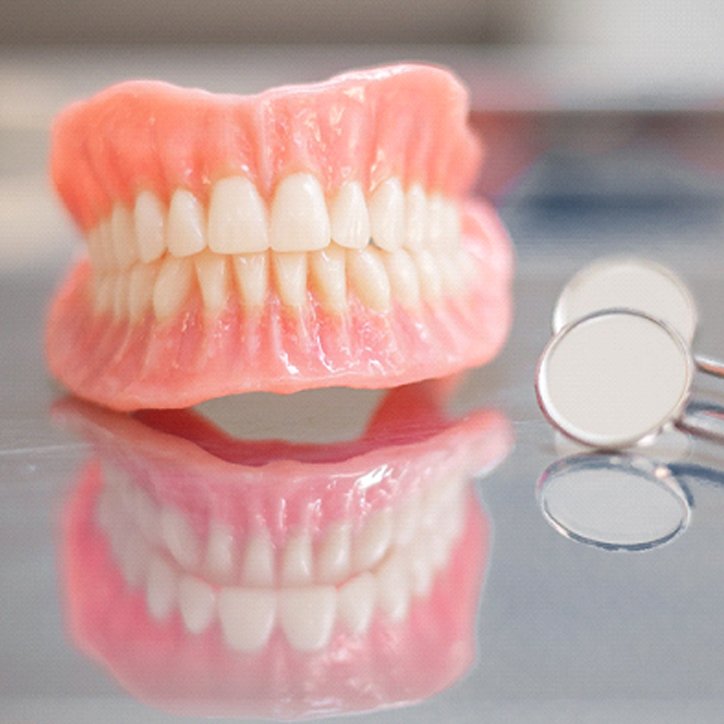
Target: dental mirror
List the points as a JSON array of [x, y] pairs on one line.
[[615, 502]]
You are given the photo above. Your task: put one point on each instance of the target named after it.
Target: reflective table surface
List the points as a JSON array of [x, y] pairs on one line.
[[432, 553]]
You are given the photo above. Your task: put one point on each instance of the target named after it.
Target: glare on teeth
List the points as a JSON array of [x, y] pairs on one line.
[[290, 275], [140, 289], [237, 218], [185, 230], [356, 602], [349, 218], [212, 273], [197, 602], [122, 233], [327, 267], [247, 617], [387, 215], [220, 558], [297, 561], [173, 284], [415, 216], [430, 280], [258, 563], [299, 220], [180, 538], [252, 277], [149, 218], [372, 542], [307, 616], [368, 278], [333, 558], [161, 588], [404, 280]]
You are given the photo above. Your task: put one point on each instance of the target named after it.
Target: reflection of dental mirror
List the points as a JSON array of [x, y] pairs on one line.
[[616, 502]]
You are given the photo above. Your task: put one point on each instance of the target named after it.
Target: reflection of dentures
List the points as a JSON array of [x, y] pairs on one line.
[[304, 237], [358, 562]]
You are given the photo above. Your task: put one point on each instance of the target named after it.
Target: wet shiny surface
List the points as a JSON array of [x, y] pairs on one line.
[[540, 627]]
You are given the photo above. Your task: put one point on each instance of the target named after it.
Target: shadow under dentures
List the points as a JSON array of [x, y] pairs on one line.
[[304, 583]]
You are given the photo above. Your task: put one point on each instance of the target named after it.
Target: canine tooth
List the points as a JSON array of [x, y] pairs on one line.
[[307, 616], [430, 279], [404, 281], [349, 218], [180, 538], [415, 217], [328, 272], [252, 277], [220, 552], [372, 542], [185, 230], [160, 588], [333, 559], [297, 561], [120, 295], [393, 592], [140, 289], [247, 617], [258, 564], [290, 273], [122, 233], [237, 218], [197, 602], [299, 220], [173, 284], [212, 273], [368, 277], [356, 602], [387, 215], [149, 217]]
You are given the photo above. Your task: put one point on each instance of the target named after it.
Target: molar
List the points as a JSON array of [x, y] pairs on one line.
[[299, 220], [387, 215], [150, 225], [238, 221], [349, 218], [185, 231], [430, 280]]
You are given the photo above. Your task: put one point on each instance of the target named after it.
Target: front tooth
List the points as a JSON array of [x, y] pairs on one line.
[[161, 588], [238, 221], [415, 217], [373, 540], [333, 559], [368, 278], [258, 564], [185, 232], [180, 538], [328, 272], [197, 601], [297, 561], [393, 592], [220, 552], [247, 617], [404, 281], [349, 219], [150, 224], [299, 220], [212, 273], [307, 616], [290, 273], [140, 289], [122, 232], [387, 215], [252, 277], [430, 279], [356, 602], [173, 284], [436, 220]]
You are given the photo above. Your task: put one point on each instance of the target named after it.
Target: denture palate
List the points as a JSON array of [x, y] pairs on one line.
[[392, 245]]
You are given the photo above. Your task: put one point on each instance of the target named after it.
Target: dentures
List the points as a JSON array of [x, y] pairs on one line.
[[305, 237]]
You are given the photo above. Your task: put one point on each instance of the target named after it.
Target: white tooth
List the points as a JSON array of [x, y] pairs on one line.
[[439, 548], [436, 220], [451, 276], [404, 281], [197, 602], [297, 560], [124, 243], [356, 602], [349, 219], [173, 285], [96, 252], [407, 519], [134, 558], [415, 217], [372, 542], [328, 272], [450, 225], [103, 293], [368, 277], [299, 220], [258, 564], [140, 289], [120, 295], [185, 230], [237, 218], [393, 592], [106, 250], [387, 215], [180, 538], [333, 559], [420, 567], [290, 274], [247, 617], [150, 225], [430, 279], [307, 616], [212, 273], [146, 514], [220, 552], [161, 588], [252, 277]]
